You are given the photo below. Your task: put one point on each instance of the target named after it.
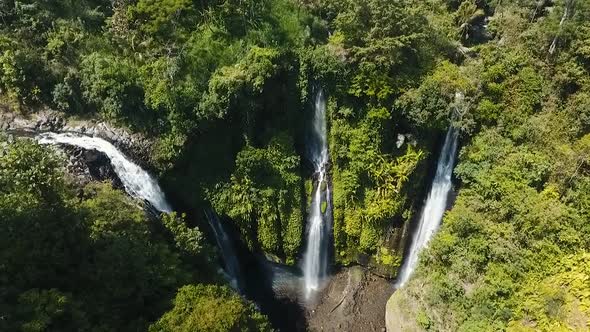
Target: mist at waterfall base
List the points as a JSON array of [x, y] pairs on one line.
[[138, 183], [315, 257], [434, 208]]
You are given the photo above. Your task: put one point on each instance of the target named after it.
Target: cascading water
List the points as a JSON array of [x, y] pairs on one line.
[[231, 266], [435, 206], [315, 257], [568, 7], [137, 182]]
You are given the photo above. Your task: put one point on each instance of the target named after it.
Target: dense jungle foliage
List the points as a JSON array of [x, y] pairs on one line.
[[92, 260], [225, 87], [512, 254]]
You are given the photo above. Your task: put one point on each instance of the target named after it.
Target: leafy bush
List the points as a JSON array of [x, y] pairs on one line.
[[192, 312], [264, 196]]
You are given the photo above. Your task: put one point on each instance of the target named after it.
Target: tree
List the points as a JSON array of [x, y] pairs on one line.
[[192, 312]]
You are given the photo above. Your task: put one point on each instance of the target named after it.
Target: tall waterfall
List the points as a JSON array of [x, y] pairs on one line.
[[315, 258], [137, 182], [435, 206], [228, 254]]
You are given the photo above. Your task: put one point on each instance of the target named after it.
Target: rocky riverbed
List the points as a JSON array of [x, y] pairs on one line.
[[353, 300]]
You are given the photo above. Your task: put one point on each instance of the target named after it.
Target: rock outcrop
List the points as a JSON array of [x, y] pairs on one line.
[[90, 165]]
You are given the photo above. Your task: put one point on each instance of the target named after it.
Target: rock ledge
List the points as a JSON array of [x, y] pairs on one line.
[[136, 146]]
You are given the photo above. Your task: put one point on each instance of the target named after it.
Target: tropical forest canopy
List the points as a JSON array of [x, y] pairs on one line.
[[223, 89]]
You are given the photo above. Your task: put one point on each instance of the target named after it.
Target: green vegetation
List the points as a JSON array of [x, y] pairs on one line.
[[224, 89], [220, 87], [263, 197], [511, 254], [193, 312], [93, 260]]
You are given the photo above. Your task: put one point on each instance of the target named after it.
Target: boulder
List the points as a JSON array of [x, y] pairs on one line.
[[400, 314], [90, 165]]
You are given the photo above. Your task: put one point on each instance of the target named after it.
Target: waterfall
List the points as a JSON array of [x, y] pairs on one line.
[[137, 182], [569, 4], [315, 257], [231, 265], [435, 206]]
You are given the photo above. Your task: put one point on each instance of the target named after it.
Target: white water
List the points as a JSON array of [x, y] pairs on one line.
[[315, 257], [566, 11], [435, 206], [137, 182], [231, 265]]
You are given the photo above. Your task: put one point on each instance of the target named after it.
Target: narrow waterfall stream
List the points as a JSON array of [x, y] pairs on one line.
[[137, 182], [435, 206], [315, 258], [230, 262], [568, 6]]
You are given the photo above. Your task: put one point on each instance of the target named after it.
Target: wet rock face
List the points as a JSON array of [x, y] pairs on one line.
[[90, 165], [50, 122]]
